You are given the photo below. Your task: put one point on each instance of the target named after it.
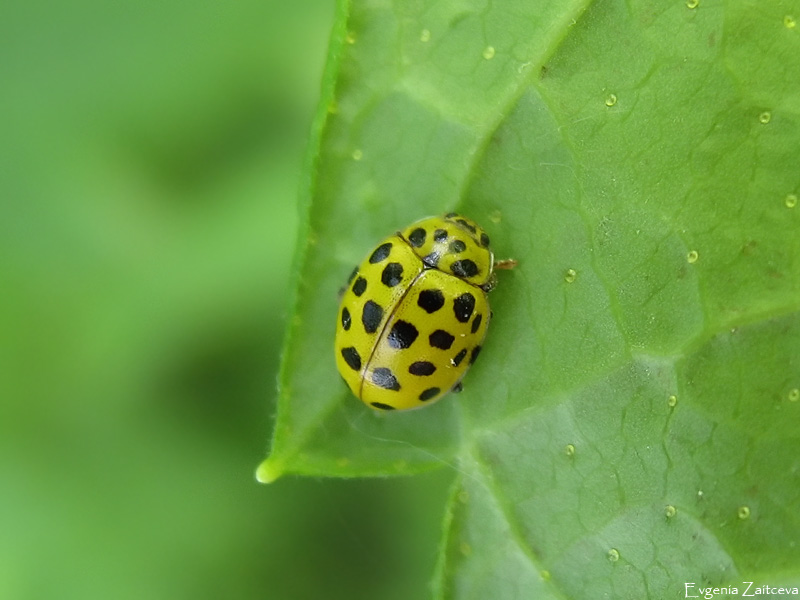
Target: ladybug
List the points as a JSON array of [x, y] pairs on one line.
[[414, 313]]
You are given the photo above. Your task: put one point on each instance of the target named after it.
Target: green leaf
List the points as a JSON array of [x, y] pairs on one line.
[[633, 424]]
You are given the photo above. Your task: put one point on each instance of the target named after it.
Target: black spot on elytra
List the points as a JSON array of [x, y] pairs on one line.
[[381, 252], [467, 225], [382, 406], [464, 268], [383, 377], [441, 339], [360, 286], [346, 319], [457, 246], [429, 393], [484, 240], [402, 335], [463, 307], [351, 357], [430, 300], [459, 357], [417, 237], [392, 274], [371, 316], [432, 260], [440, 235], [475, 351], [476, 323], [422, 368]]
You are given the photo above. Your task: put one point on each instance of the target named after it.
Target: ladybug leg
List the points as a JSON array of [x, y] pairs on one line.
[[349, 281], [490, 284], [457, 388], [506, 264]]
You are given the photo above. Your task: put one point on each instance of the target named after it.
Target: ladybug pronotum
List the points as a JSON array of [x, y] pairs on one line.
[[414, 313]]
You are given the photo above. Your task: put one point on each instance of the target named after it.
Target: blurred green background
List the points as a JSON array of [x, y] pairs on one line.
[[150, 154]]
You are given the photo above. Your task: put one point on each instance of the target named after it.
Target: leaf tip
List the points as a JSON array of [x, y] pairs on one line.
[[268, 471]]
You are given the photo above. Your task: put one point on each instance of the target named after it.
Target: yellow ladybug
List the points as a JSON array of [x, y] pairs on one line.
[[414, 314]]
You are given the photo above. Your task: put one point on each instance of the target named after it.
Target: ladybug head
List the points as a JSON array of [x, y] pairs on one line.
[[453, 244]]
